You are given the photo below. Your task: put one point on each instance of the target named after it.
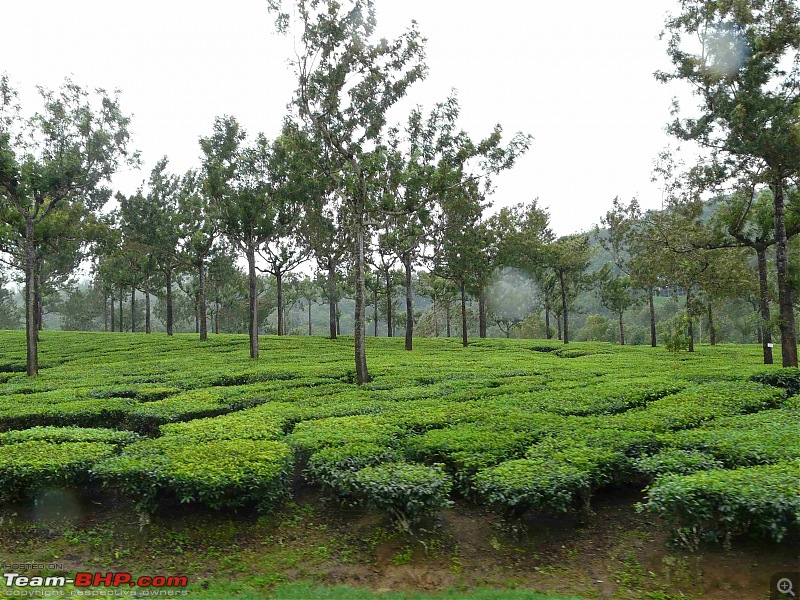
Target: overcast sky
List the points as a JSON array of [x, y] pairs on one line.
[[577, 76]]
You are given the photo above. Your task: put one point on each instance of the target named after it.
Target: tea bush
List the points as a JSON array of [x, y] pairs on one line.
[[720, 504], [787, 378], [552, 477], [217, 474], [58, 435], [524, 425], [29, 466], [409, 492]]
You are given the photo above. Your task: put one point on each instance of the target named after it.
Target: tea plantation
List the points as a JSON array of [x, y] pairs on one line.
[[517, 425]]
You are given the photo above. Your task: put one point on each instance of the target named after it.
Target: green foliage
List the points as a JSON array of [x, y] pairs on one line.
[[84, 413], [218, 474], [595, 329], [765, 437], [720, 504], [333, 467], [787, 378], [675, 460], [511, 422], [551, 477], [699, 404], [409, 492], [674, 332], [314, 435], [29, 466], [59, 435]]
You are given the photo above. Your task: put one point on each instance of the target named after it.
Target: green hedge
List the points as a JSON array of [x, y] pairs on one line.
[[238, 425], [217, 474], [408, 492], [718, 505], [68, 434], [553, 476], [333, 467], [466, 448], [766, 437], [676, 460], [310, 436], [699, 404], [787, 378], [29, 466], [84, 413]]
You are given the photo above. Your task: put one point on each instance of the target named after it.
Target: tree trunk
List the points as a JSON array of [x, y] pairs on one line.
[[547, 315], [309, 318], [338, 319], [133, 309], [216, 316], [147, 325], [332, 298], [121, 320], [252, 328], [32, 342], [362, 373], [105, 313], [170, 321], [464, 340], [375, 309], [389, 328], [652, 306], [113, 321], [564, 306], [435, 319], [39, 304], [786, 321], [482, 328], [201, 302], [447, 316], [558, 323], [621, 331], [279, 284], [409, 303], [712, 333], [763, 296], [690, 331], [700, 329]]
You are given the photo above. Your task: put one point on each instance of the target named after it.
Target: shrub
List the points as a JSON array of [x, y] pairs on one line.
[[697, 405], [675, 460], [549, 478], [68, 434], [787, 378], [29, 466], [239, 425], [84, 413], [469, 447], [717, 505], [674, 332], [310, 436], [765, 437], [217, 474], [333, 467], [409, 492]]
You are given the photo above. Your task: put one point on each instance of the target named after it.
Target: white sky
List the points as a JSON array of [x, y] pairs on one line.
[[577, 76]]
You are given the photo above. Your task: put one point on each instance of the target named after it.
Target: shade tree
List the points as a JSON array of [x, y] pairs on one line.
[[741, 60], [62, 154]]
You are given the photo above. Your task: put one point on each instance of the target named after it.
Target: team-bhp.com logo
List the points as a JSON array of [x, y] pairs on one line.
[[86, 580]]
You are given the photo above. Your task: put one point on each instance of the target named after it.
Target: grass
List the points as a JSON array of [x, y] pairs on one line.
[[310, 591]]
